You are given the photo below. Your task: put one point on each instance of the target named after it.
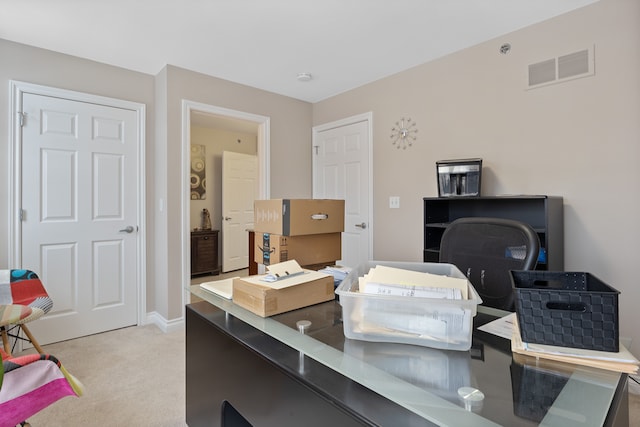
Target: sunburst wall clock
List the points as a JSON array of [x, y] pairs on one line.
[[403, 134]]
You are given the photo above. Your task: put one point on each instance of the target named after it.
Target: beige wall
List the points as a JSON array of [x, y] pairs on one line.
[[290, 140], [217, 141], [579, 140]]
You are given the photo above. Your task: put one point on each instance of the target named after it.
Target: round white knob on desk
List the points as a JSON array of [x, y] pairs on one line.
[[472, 397], [303, 325]]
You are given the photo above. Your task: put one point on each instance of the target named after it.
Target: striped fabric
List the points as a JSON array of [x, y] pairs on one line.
[[30, 384], [23, 287], [11, 314], [35, 381]]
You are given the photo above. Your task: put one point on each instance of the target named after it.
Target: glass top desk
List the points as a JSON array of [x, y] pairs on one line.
[[368, 383]]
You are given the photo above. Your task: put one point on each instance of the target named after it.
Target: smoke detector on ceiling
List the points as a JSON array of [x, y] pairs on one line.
[[505, 48], [304, 77]]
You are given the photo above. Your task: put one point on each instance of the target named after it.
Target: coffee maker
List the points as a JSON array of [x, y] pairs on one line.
[[459, 177]]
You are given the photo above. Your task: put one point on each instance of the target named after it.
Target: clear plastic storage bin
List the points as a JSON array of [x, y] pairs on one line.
[[430, 322]]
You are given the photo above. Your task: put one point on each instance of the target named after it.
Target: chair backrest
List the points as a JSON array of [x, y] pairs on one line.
[[485, 249], [26, 288]]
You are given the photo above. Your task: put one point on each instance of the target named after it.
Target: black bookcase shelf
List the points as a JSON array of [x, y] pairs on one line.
[[543, 213]]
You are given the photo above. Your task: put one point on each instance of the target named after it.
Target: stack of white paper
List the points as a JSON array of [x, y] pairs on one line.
[[338, 273], [622, 361], [383, 280]]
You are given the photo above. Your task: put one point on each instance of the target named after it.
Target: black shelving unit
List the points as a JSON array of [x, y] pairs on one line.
[[544, 213]]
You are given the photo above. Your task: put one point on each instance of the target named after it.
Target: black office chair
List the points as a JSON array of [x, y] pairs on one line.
[[485, 249]]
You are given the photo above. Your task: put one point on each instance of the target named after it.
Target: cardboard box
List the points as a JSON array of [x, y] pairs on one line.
[[294, 217], [310, 288], [306, 250]]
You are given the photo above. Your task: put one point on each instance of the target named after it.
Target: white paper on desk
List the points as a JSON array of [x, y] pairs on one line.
[[502, 327], [224, 287], [338, 269], [282, 270], [623, 360], [281, 283], [412, 291], [398, 276], [441, 324], [622, 356]]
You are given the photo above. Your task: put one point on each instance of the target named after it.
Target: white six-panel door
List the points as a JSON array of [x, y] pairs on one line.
[[79, 224], [239, 190], [341, 170]]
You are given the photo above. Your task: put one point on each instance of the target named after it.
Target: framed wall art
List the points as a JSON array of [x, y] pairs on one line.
[[198, 175]]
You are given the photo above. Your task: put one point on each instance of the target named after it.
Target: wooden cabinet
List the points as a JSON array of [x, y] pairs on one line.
[[204, 252], [544, 214]]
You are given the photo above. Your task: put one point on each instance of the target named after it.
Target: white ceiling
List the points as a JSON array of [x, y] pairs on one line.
[[266, 43]]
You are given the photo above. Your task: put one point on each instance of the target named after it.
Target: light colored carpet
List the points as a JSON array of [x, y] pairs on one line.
[[132, 377]]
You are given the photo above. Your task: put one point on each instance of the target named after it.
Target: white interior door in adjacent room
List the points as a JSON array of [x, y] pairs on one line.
[[342, 170], [239, 190], [81, 199]]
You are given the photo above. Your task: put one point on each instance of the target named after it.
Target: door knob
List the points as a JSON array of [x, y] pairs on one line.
[[127, 229], [363, 225], [226, 218]]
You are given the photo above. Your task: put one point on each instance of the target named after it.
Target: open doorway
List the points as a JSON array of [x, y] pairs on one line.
[[201, 121]]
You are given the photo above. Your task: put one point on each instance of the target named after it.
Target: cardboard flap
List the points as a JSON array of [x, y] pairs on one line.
[[306, 276]]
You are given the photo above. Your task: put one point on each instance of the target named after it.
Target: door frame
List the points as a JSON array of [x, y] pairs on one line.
[[364, 117], [264, 173], [17, 89]]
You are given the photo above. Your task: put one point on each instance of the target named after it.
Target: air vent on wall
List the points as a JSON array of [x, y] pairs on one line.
[[566, 67], [542, 72]]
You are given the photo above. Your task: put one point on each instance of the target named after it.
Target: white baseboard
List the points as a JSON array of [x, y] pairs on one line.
[[165, 325]]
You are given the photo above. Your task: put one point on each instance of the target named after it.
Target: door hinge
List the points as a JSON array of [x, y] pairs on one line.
[[316, 147], [21, 117], [22, 214]]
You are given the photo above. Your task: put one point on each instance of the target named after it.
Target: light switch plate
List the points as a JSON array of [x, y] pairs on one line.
[[394, 202]]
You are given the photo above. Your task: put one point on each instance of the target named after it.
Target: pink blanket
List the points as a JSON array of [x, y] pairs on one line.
[[31, 383]]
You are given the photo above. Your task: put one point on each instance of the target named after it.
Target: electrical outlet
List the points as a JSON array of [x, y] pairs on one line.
[[394, 202]]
